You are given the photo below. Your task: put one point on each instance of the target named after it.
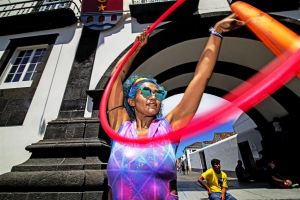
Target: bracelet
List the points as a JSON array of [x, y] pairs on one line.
[[213, 31]]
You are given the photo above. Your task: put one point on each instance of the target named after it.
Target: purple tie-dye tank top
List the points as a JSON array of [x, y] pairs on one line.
[[142, 173]]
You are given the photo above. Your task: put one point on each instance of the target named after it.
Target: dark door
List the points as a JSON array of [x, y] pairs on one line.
[[247, 157]]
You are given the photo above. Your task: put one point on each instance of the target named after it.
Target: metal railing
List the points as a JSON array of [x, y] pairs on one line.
[[35, 6]]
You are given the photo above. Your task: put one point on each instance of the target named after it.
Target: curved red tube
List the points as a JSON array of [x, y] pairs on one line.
[[277, 37], [263, 84]]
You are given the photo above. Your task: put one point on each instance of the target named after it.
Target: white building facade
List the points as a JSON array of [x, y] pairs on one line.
[[53, 70]]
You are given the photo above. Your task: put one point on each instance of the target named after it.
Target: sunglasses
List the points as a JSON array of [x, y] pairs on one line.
[[147, 92]]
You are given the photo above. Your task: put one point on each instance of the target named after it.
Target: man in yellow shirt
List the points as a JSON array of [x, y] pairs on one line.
[[214, 180]]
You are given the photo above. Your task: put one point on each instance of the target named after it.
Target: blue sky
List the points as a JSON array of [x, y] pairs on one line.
[[204, 136], [208, 103]]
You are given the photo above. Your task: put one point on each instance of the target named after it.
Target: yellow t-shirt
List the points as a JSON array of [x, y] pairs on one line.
[[215, 181]]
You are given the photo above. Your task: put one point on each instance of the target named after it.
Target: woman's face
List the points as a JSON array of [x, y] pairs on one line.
[[147, 100]]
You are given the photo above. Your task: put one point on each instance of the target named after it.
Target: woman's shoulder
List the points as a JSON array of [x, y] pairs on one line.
[[125, 126], [163, 121], [163, 124], [127, 123]]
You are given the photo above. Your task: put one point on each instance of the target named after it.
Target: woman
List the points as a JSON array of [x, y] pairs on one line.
[[148, 173]]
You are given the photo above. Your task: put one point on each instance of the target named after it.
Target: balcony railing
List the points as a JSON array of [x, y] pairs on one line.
[[134, 2], [35, 6]]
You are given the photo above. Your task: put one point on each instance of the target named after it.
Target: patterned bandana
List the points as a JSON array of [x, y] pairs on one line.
[[136, 84]]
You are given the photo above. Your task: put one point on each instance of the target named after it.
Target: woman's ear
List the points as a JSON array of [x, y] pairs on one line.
[[131, 102]]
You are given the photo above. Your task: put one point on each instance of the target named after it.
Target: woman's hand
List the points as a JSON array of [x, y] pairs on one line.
[[228, 24], [142, 38]]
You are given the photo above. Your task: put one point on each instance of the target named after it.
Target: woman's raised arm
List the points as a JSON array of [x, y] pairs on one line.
[[115, 108], [182, 114]]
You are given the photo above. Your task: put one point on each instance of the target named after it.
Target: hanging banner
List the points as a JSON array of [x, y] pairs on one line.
[[101, 14]]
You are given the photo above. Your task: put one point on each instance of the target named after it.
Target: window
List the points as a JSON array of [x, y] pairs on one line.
[[101, 18], [53, 5], [22, 67], [113, 17]]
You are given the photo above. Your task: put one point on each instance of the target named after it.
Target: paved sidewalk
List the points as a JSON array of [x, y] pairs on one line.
[[190, 189]]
